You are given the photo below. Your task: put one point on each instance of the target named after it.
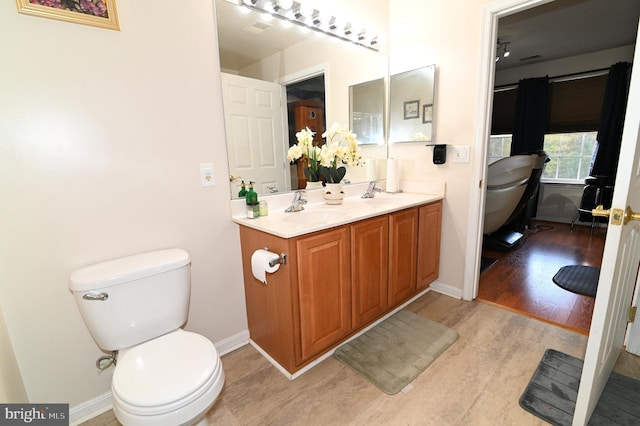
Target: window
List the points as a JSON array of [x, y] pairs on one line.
[[570, 154], [499, 147]]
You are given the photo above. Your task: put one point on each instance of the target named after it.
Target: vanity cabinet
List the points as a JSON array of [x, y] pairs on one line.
[[323, 290], [429, 230], [337, 281], [369, 269], [403, 246]]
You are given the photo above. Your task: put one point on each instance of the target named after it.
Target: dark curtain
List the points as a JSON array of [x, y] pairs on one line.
[[605, 162], [531, 113]]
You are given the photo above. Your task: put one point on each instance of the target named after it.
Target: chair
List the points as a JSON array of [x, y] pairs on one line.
[[598, 190], [512, 197]]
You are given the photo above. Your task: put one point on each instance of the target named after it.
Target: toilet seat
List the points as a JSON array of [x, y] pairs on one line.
[[166, 373]]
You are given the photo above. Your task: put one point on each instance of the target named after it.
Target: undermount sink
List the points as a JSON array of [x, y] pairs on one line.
[[316, 215], [385, 200]]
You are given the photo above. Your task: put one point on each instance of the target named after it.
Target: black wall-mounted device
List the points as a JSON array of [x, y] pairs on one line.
[[439, 153]]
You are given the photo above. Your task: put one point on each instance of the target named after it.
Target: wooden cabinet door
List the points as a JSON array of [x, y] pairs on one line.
[[313, 118], [403, 231], [369, 269], [324, 292], [429, 228]]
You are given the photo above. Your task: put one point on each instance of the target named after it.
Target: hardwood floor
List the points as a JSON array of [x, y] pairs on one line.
[[521, 279]]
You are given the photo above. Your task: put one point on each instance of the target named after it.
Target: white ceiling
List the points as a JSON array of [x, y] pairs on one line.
[[566, 28], [554, 30]]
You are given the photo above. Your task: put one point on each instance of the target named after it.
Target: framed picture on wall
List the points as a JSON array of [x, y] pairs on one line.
[[427, 113], [411, 109], [97, 13]]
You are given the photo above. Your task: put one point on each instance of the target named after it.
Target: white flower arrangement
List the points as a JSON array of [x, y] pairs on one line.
[[341, 147]]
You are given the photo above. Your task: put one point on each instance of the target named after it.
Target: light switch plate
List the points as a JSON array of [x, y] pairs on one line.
[[461, 153], [207, 175]]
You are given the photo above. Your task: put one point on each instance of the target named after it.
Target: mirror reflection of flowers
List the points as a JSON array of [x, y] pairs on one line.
[[341, 147], [310, 153]]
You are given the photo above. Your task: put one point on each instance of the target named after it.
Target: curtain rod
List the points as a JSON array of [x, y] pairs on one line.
[[557, 78]]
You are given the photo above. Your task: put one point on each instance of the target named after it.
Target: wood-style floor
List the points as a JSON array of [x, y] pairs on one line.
[[477, 381], [521, 280]]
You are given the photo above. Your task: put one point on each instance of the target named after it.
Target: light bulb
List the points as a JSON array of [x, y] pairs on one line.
[[306, 10], [506, 53]]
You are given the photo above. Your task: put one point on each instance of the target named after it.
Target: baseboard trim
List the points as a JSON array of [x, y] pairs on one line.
[[232, 343], [87, 410], [446, 289]]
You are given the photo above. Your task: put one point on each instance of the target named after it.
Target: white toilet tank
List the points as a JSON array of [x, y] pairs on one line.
[[130, 300]]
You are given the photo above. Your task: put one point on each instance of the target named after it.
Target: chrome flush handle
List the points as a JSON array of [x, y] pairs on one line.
[[92, 296]]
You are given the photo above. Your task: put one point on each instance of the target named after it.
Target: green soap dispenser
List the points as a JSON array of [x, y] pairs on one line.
[[253, 207], [243, 191]]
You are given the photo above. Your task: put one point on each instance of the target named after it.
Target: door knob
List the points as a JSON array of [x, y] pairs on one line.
[[618, 216], [630, 215]]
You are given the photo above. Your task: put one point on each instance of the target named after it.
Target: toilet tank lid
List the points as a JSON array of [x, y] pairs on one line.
[[129, 268]]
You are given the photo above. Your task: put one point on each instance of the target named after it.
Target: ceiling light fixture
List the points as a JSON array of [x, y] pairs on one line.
[[307, 17], [282, 4], [502, 49]]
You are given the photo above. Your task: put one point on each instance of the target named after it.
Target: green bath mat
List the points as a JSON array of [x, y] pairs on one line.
[[397, 350]]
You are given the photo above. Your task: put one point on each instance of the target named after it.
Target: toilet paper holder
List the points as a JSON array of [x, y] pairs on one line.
[[281, 260]]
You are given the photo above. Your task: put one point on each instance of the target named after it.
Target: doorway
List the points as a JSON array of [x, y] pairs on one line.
[[305, 109], [526, 9]]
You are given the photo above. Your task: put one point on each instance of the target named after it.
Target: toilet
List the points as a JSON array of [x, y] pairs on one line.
[[136, 305]]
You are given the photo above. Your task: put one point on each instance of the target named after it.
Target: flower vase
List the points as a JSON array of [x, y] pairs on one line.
[[314, 185], [333, 193]]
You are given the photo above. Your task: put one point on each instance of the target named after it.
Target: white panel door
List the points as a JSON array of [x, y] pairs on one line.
[[619, 269], [254, 127]]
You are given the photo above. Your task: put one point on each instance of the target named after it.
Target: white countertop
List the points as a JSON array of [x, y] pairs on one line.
[[317, 215]]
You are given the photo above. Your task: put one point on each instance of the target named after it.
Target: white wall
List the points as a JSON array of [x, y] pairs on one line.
[[11, 386], [559, 202], [563, 66], [101, 136], [445, 33]]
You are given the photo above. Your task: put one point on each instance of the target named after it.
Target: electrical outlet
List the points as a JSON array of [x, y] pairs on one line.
[[207, 175], [461, 153]]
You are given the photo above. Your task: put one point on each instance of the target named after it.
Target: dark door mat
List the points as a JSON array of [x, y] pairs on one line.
[[486, 262], [553, 388], [578, 279]]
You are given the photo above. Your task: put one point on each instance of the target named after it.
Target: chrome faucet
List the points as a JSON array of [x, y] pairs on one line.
[[298, 202], [371, 190]]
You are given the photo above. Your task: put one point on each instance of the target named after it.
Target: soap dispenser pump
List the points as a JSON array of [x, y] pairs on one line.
[[243, 190], [253, 207]]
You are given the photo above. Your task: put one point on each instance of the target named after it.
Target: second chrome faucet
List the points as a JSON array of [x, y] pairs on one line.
[[297, 204], [371, 190]]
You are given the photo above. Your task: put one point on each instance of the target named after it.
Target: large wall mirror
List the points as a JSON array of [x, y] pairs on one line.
[[366, 111], [411, 105], [260, 60]]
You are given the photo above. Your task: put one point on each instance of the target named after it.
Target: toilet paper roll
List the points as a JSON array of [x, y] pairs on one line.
[[393, 175], [260, 264]]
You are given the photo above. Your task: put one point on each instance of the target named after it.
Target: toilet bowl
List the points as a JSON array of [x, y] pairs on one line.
[[169, 380], [135, 306]]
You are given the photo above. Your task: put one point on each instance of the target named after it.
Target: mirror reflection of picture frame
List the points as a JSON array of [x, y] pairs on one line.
[[103, 15], [411, 110], [416, 86], [427, 113]]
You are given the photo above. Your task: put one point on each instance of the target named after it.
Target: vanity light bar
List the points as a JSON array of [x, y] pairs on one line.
[[308, 17]]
